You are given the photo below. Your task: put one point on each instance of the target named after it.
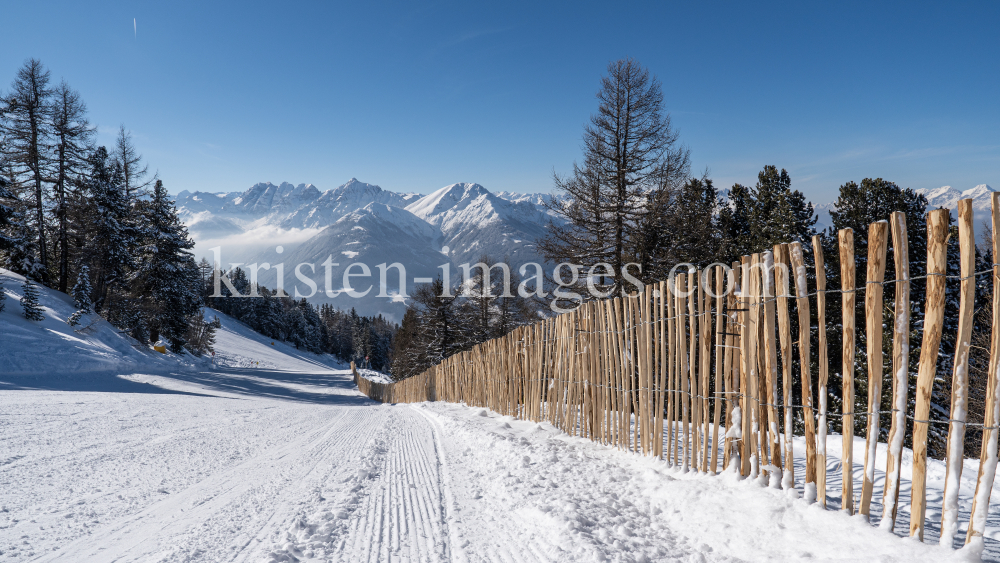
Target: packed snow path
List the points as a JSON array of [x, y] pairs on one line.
[[240, 463], [331, 476]]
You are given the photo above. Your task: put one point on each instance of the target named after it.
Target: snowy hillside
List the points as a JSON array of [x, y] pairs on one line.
[[50, 346]]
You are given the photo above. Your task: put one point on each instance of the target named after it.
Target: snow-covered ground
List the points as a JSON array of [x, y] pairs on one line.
[[185, 461]]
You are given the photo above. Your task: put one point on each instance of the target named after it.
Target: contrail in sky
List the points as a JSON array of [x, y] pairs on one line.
[[134, 31]]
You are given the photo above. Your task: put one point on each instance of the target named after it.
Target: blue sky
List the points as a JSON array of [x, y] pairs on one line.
[[417, 95]]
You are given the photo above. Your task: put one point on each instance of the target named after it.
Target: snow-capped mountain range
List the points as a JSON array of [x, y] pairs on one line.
[[360, 222]]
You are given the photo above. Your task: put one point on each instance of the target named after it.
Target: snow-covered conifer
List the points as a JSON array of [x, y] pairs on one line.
[[29, 301], [108, 236], [81, 296], [167, 279]]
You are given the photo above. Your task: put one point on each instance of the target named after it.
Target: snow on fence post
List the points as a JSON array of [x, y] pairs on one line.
[[960, 376], [720, 371], [824, 369], [900, 371], [846, 239], [798, 269], [937, 262], [771, 370], [785, 339], [988, 457], [878, 236]]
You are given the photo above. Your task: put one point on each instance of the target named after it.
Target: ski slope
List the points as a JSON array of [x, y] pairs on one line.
[[188, 462]]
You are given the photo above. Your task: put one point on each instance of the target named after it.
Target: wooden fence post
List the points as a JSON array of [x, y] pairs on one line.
[[802, 305], [781, 273], [960, 376], [988, 457], [771, 371], [683, 378], [661, 386], [647, 369], [693, 305], [878, 235], [748, 381], [900, 371], [624, 415], [720, 365], [705, 355], [673, 359], [732, 369], [846, 237], [824, 369], [937, 263]]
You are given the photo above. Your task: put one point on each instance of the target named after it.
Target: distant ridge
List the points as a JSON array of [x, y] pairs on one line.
[[361, 222]]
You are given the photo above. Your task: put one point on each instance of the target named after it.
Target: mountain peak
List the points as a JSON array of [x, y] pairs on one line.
[[449, 197], [977, 191]]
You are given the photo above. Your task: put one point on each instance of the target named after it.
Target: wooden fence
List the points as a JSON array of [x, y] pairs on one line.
[[660, 372]]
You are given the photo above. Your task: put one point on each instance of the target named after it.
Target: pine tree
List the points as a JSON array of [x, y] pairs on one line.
[[81, 296], [681, 227], [129, 161], [200, 337], [27, 126], [29, 301], [755, 219], [108, 235], [511, 312], [73, 135], [8, 215], [630, 150], [404, 345], [166, 281], [480, 294]]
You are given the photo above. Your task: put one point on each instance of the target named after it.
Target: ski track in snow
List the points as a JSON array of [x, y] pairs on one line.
[[185, 478], [245, 464]]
